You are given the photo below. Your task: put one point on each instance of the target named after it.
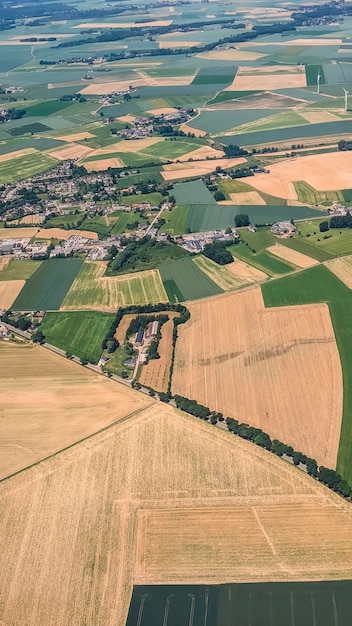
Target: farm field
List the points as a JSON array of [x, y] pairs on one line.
[[262, 260], [292, 256], [282, 358], [342, 268], [18, 233], [318, 284], [80, 332], [183, 280], [267, 137], [48, 286], [231, 276], [175, 220], [337, 243], [134, 498], [9, 290], [93, 290], [25, 166], [17, 270], [156, 373], [56, 405], [260, 604]]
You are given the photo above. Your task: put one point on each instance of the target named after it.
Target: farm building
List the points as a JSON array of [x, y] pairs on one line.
[[283, 228], [152, 329], [139, 338]]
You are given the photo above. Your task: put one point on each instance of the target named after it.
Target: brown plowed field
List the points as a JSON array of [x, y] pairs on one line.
[[55, 404], [159, 497], [156, 373], [267, 367]]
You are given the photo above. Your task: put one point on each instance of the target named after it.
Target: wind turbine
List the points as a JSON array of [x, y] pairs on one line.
[[346, 96], [318, 82]]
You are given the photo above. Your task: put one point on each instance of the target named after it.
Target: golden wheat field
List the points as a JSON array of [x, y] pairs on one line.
[[9, 290], [56, 403], [342, 268], [292, 256], [266, 367], [159, 497]]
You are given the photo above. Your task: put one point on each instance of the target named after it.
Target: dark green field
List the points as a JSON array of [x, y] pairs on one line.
[[80, 333], [47, 108], [183, 280], [251, 604], [318, 284], [48, 286], [35, 127]]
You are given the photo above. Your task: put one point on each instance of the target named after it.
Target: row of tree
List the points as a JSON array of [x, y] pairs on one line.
[[328, 477], [336, 221]]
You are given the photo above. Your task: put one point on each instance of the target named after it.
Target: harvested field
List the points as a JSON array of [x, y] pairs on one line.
[[264, 100], [163, 111], [226, 276], [131, 145], [292, 256], [17, 153], [178, 44], [246, 273], [127, 118], [322, 171], [145, 503], [201, 153], [123, 24], [4, 261], [76, 136], [74, 151], [268, 77], [342, 268], [60, 233], [9, 290], [18, 233], [102, 164], [156, 373], [231, 54], [56, 407], [196, 131], [93, 291], [279, 358], [31, 219], [246, 197], [103, 89], [198, 168], [316, 117]]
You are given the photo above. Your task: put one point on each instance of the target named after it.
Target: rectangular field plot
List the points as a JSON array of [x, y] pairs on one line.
[[183, 280], [193, 192], [81, 332], [92, 290], [48, 286], [251, 604]]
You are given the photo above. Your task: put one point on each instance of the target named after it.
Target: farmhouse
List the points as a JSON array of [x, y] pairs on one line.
[[139, 338], [282, 229]]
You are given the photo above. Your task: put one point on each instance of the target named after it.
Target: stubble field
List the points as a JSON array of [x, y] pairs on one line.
[[9, 290], [342, 268], [193, 503], [156, 373], [292, 256], [92, 290], [267, 367], [58, 403]]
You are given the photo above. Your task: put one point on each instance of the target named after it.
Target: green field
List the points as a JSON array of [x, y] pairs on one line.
[[318, 284], [248, 604], [183, 280], [337, 242], [312, 74], [19, 270], [81, 333], [25, 166], [268, 263], [48, 107], [170, 149], [176, 220], [48, 286], [306, 193], [192, 192]]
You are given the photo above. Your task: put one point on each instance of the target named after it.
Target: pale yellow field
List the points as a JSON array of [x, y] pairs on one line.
[[201, 153], [178, 44], [197, 168], [31, 219], [342, 268], [196, 131], [17, 153], [127, 118], [230, 276], [324, 172], [292, 256], [18, 233], [102, 164], [246, 197], [60, 233], [268, 77], [158, 498], [74, 151], [246, 273], [102, 89], [58, 403], [4, 261], [316, 117], [163, 111], [128, 145], [231, 54], [265, 366], [318, 41], [9, 290], [156, 373], [77, 136], [93, 291], [124, 24]]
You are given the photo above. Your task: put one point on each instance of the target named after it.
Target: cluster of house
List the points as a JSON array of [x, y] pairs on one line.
[[196, 242], [337, 209], [283, 229]]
